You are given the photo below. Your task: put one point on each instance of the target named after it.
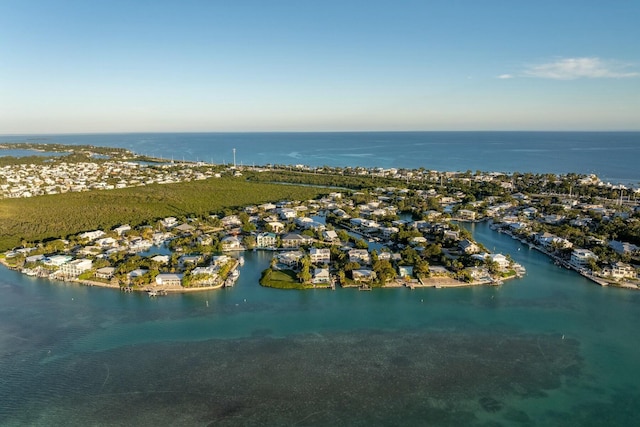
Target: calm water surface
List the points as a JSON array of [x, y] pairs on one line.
[[611, 155], [551, 349]]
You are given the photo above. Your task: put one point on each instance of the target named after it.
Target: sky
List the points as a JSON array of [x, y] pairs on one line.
[[296, 65]]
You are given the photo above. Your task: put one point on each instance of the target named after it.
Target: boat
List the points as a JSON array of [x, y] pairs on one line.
[[241, 260]]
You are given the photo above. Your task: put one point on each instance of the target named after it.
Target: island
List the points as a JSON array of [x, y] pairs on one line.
[[326, 227]]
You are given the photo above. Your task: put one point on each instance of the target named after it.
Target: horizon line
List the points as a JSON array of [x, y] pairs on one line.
[[323, 131]]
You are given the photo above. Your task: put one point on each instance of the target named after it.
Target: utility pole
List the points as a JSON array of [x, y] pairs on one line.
[[234, 158]]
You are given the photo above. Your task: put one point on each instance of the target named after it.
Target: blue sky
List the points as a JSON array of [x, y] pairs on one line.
[[270, 65]]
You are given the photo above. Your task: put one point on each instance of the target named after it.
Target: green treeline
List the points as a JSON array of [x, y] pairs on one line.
[[61, 215], [321, 179]]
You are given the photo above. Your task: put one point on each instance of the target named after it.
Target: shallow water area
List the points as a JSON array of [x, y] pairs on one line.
[[551, 348]]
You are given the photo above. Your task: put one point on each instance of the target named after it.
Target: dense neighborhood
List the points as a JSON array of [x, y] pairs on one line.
[[406, 234]]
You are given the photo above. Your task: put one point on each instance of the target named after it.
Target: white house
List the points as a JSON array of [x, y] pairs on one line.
[[620, 270], [321, 275], [361, 256], [231, 243], [363, 275], [266, 240], [91, 235], [580, 257], [122, 229], [169, 279], [76, 267], [290, 258], [320, 255]]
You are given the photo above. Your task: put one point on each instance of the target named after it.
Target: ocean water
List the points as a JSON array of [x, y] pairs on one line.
[[611, 155], [549, 349]]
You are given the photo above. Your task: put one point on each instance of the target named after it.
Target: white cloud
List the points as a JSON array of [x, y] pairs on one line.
[[505, 76], [576, 68]]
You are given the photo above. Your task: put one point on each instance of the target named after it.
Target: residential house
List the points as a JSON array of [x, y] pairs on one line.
[[320, 255], [266, 240], [623, 247], [468, 247], [161, 259], [231, 243], [122, 229], [580, 257], [361, 256], [289, 258], [76, 267], [620, 270], [321, 276], [330, 236], [363, 275], [105, 273], [293, 240], [466, 214], [57, 260], [91, 235], [169, 222], [169, 279], [276, 226], [405, 271], [287, 214]]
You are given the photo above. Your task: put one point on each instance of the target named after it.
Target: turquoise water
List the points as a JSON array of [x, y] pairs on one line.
[[551, 349], [611, 155]]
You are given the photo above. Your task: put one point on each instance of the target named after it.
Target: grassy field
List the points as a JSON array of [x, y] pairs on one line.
[[281, 279], [61, 215]]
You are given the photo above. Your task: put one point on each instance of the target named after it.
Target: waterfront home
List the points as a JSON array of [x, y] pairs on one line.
[[34, 258], [57, 260], [231, 243], [405, 271], [321, 276], [220, 260], [501, 260], [580, 257], [169, 279], [266, 240], [76, 267], [290, 258], [363, 275], [620, 270], [105, 273], [466, 214], [320, 255]]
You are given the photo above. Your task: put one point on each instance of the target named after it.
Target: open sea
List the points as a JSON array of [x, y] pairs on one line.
[[550, 349], [613, 156]]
